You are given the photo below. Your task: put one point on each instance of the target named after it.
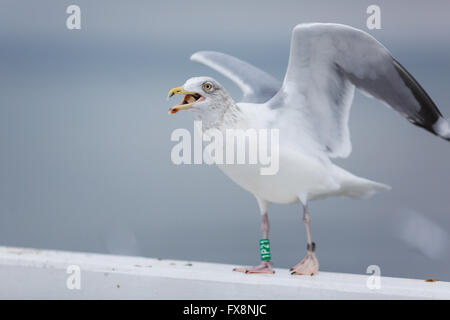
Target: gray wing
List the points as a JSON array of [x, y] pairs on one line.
[[257, 85], [326, 63]]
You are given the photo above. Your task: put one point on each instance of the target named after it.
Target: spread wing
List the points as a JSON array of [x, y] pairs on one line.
[[257, 85], [326, 63]]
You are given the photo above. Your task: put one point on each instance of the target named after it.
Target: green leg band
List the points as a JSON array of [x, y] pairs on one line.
[[264, 248]]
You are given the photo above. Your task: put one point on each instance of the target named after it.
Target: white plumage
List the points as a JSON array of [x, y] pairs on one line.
[[311, 111]]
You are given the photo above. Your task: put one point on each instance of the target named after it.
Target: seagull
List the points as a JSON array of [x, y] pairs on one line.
[[310, 108]]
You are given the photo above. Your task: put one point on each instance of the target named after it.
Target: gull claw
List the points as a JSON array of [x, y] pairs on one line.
[[264, 267], [308, 266]]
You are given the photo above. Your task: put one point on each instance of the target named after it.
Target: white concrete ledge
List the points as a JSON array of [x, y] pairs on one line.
[[42, 274]]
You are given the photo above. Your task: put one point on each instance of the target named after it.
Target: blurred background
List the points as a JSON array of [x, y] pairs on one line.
[[85, 136]]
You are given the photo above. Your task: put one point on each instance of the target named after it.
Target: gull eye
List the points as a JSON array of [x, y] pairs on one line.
[[208, 86]]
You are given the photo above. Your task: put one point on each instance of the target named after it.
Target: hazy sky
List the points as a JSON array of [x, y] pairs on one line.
[[85, 136]]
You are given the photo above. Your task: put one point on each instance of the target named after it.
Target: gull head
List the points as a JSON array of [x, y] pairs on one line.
[[202, 95]]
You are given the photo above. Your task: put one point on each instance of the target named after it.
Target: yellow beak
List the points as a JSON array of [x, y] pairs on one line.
[[179, 90]]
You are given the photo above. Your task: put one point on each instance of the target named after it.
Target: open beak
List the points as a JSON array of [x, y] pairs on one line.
[[189, 100]]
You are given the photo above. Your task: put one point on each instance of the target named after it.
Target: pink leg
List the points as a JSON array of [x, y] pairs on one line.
[[309, 265], [265, 266]]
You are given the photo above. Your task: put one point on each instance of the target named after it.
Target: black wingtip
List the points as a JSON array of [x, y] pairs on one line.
[[428, 116]]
